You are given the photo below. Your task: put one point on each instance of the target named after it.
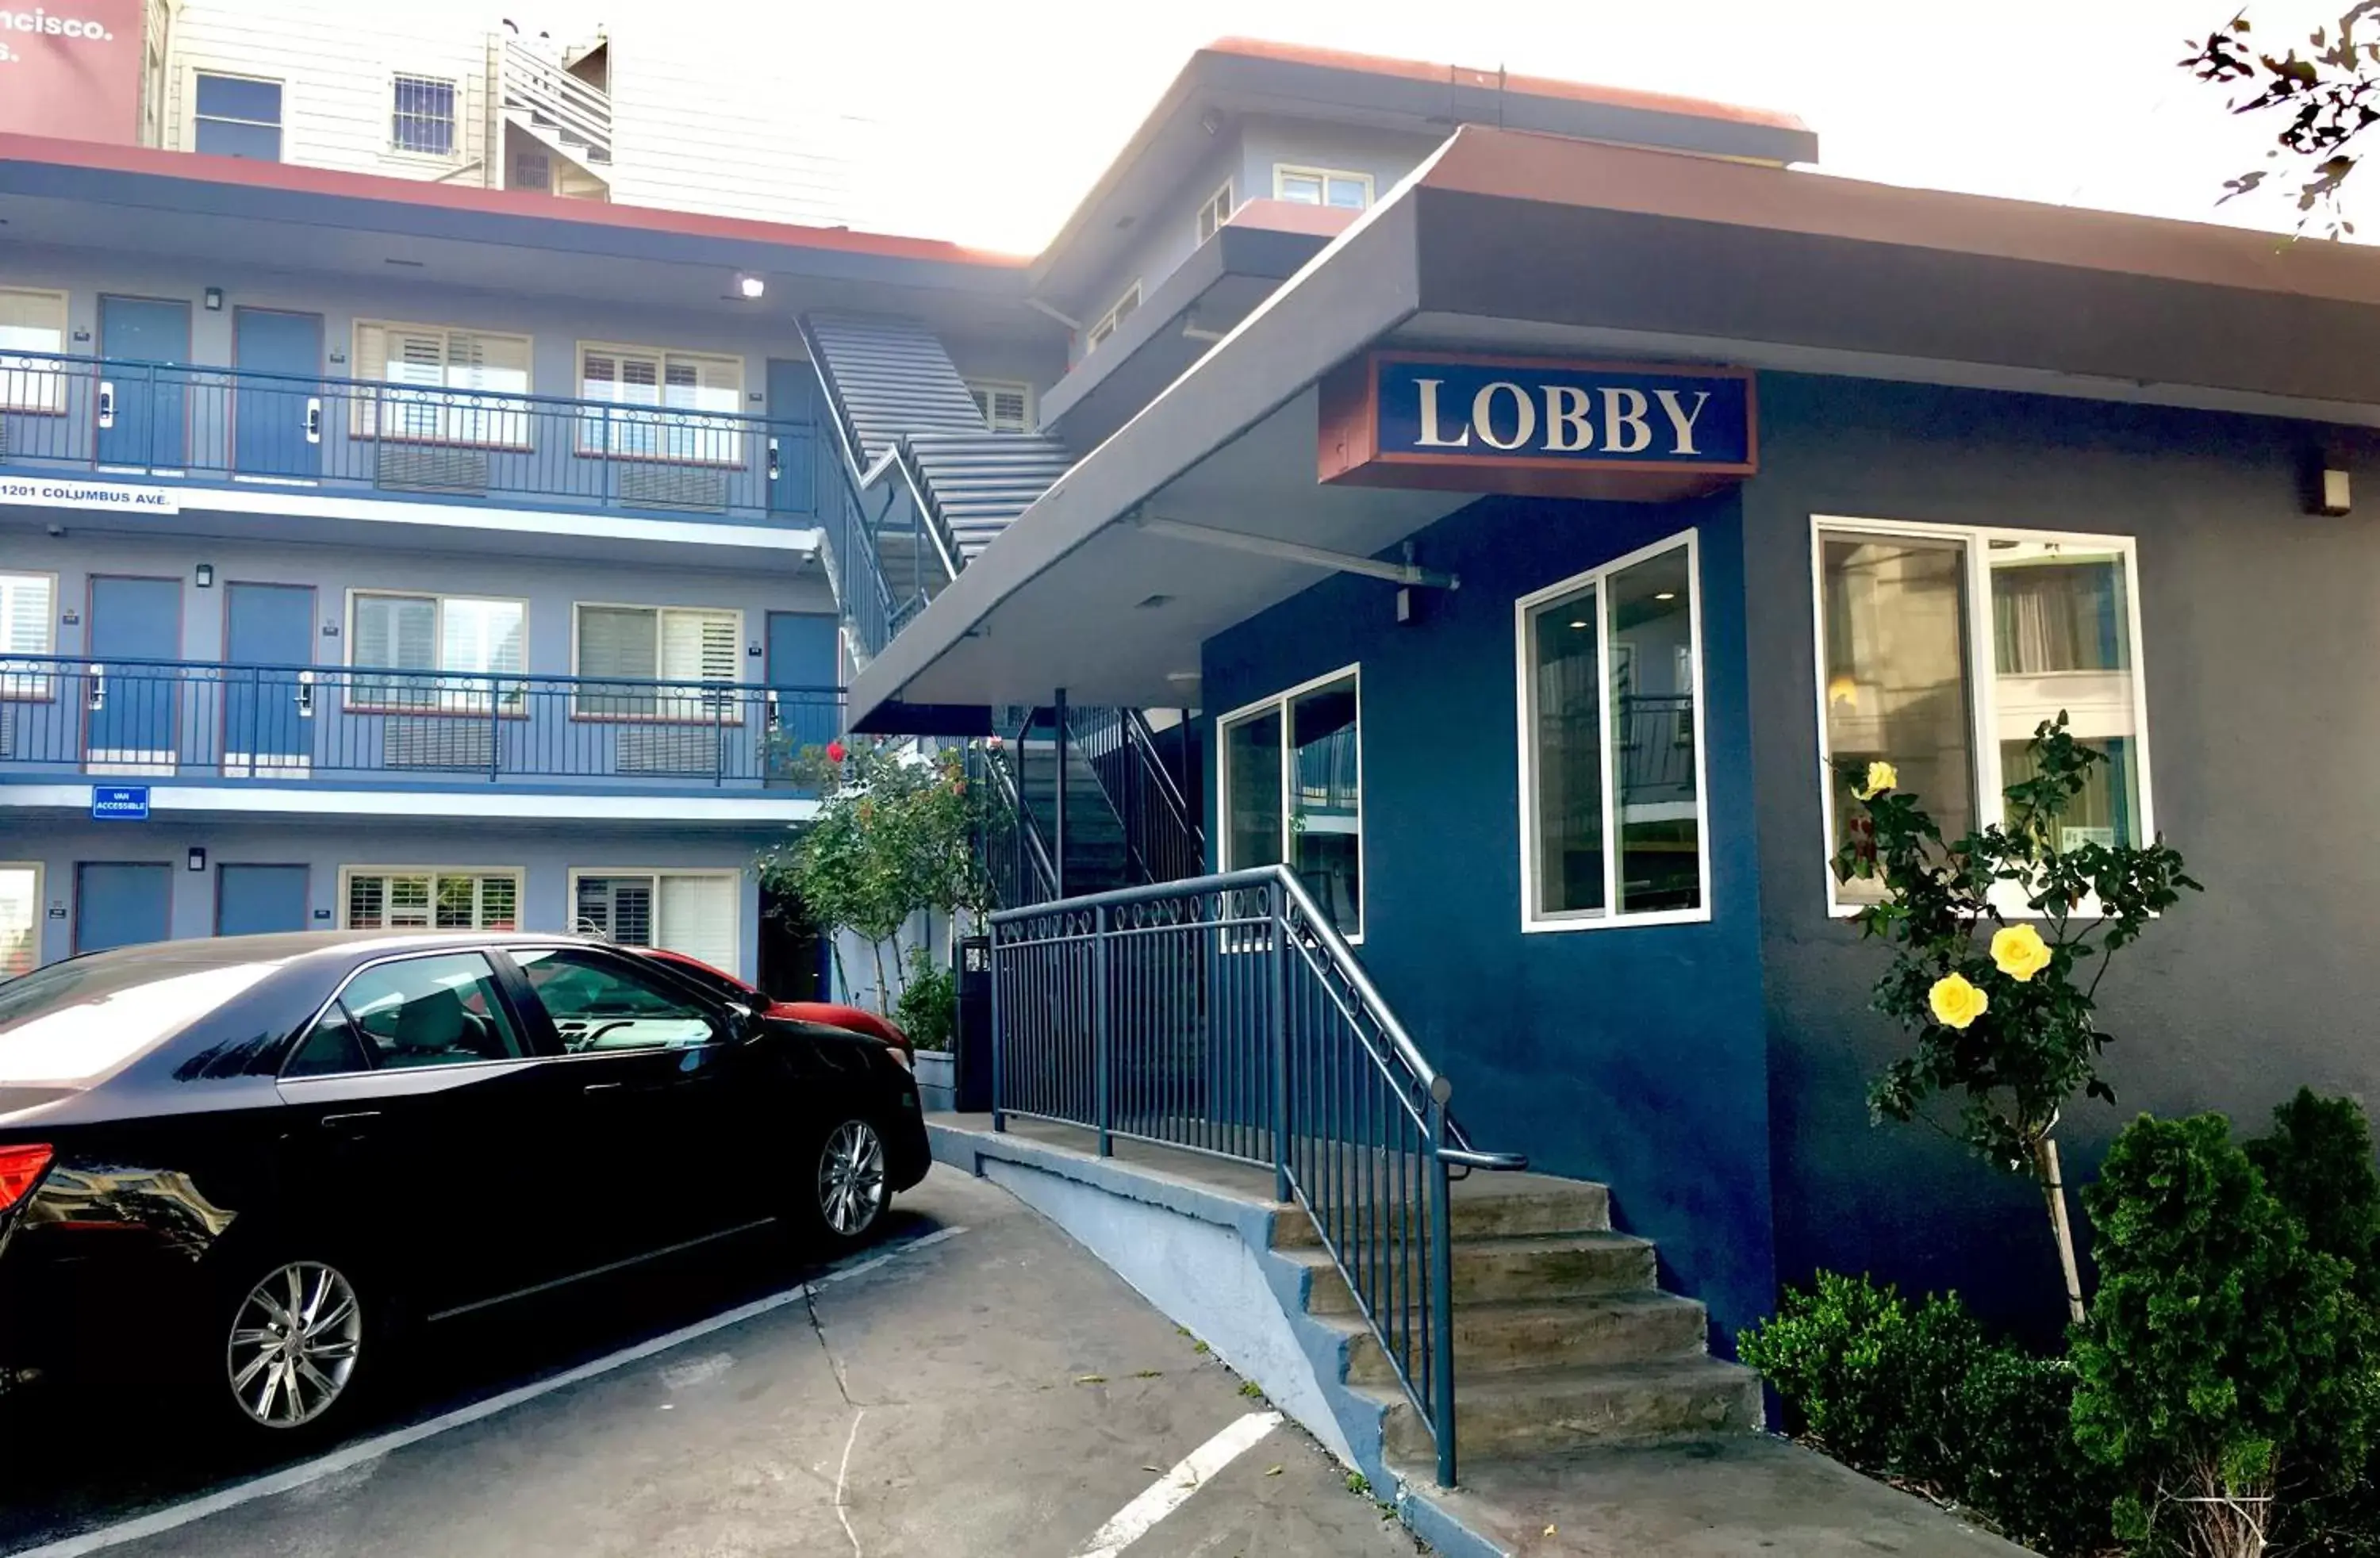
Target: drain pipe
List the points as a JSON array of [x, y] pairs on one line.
[[1060, 746]]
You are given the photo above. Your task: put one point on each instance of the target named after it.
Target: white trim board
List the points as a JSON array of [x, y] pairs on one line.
[[657, 810]]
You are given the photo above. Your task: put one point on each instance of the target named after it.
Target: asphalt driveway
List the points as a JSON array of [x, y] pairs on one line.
[[977, 1384]]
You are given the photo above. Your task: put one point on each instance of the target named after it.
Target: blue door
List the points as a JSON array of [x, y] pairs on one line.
[[255, 900], [142, 394], [803, 649], [131, 700], [268, 703], [793, 434], [119, 905], [278, 413]]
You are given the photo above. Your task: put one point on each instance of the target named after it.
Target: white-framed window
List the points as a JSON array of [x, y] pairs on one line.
[[1321, 186], [1006, 404], [28, 618], [430, 362], [1942, 647], [1107, 322], [456, 648], [236, 116], [678, 407], [430, 897], [695, 912], [421, 116], [20, 917], [646, 646], [32, 320], [1215, 212], [1613, 828], [1293, 790]]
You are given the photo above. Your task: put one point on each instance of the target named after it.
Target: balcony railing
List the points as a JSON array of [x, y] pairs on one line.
[[176, 423], [419, 729]]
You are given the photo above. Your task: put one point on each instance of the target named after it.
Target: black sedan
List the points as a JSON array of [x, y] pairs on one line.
[[251, 1163]]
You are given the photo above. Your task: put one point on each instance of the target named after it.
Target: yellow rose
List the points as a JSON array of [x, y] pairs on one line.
[[1880, 778], [1955, 1002], [2019, 952]]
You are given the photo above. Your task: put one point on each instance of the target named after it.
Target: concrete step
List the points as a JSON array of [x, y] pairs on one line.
[[1487, 1206], [1489, 1270], [1605, 1329], [1547, 1411]]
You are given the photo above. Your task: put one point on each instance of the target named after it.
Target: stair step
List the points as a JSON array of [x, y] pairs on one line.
[[1487, 1206], [1550, 1410], [1491, 1339], [1489, 1270]]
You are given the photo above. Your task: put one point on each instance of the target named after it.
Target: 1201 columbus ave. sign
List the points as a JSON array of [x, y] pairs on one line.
[[1554, 428]]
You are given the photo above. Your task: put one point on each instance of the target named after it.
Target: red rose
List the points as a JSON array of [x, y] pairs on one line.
[[834, 752]]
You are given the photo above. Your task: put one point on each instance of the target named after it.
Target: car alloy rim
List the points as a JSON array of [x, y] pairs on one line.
[[850, 1177], [293, 1344]]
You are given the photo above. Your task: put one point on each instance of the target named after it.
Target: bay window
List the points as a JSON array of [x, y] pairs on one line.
[[1292, 792], [1611, 777], [678, 407], [454, 647], [447, 385], [646, 645], [1943, 649]]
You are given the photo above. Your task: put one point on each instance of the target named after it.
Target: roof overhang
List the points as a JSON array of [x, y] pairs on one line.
[[1545, 247]]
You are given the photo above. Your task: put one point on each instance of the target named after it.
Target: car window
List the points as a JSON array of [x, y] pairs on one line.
[[601, 1003], [73, 1023], [414, 1012]]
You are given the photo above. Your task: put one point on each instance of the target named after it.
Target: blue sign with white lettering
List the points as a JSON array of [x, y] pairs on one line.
[[1458, 423], [1536, 411], [120, 803]]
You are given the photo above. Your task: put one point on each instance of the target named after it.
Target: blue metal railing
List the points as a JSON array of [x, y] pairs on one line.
[[140, 718], [1163, 842], [1226, 1016], [183, 423]]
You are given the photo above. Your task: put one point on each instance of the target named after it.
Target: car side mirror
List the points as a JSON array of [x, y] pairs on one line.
[[742, 1021]]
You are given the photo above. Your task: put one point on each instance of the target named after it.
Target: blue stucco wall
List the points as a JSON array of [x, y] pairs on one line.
[[1632, 1055], [2258, 623]]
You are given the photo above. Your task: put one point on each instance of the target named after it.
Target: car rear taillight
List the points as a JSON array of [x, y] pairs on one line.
[[20, 1166]]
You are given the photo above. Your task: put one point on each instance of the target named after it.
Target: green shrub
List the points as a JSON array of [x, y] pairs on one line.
[[928, 1008], [2229, 1369], [1919, 1394]]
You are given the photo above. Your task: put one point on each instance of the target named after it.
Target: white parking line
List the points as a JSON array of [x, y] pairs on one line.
[[1170, 1492], [174, 1516]]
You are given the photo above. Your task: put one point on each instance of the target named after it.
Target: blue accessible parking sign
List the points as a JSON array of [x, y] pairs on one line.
[[120, 803]]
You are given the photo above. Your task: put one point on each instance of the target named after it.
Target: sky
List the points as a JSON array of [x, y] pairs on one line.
[[985, 123]]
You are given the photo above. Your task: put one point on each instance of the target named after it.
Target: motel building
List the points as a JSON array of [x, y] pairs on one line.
[[1403, 562]]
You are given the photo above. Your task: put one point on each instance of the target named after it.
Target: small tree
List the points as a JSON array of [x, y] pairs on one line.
[[2228, 1365], [2001, 1013], [2321, 97], [894, 837]]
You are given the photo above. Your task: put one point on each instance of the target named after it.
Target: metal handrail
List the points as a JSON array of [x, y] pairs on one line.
[[1226, 1015], [896, 459], [1026, 827], [583, 110], [1167, 846]]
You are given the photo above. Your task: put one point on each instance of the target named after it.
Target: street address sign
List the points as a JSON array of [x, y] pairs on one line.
[[1454, 422], [120, 803]]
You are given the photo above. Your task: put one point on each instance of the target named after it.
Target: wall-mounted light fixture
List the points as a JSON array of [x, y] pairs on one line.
[[197, 859], [213, 298], [749, 286], [206, 575], [2335, 495]]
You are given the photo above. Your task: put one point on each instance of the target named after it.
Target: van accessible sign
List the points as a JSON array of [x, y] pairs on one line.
[[72, 69], [1554, 429], [49, 491]]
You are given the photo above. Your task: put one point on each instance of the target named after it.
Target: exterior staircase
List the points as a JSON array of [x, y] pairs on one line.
[[1564, 1338]]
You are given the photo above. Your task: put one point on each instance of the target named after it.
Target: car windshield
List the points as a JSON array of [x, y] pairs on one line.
[[73, 1023]]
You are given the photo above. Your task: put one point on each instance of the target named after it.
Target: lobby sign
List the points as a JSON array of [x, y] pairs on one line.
[[47, 492], [1552, 429], [72, 69]]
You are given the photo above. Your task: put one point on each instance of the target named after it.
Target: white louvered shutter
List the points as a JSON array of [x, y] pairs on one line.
[[697, 646], [698, 918]]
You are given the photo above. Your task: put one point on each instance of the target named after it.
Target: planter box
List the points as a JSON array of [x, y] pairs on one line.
[[937, 1081]]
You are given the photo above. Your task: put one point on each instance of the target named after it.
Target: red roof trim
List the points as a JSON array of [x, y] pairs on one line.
[[241, 172], [1528, 86]]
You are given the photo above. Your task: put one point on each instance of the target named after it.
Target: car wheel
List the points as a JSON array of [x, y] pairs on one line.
[[847, 1189], [293, 1341]]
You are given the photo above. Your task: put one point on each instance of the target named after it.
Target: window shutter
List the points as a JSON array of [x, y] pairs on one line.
[[481, 636], [1008, 410], [699, 646], [618, 907], [25, 613], [616, 641], [698, 918], [398, 632]]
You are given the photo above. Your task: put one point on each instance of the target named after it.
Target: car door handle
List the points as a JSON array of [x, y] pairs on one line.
[[601, 1088], [349, 1122]]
